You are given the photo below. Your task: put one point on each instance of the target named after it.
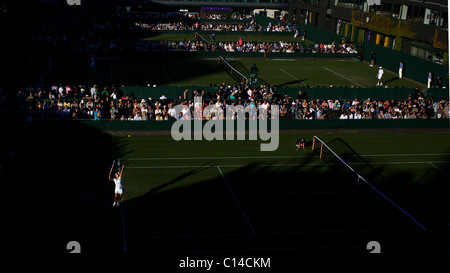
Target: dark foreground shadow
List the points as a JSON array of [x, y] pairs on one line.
[[59, 171]]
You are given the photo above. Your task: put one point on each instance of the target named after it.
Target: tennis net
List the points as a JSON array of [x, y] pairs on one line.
[[333, 159], [203, 40], [231, 71]]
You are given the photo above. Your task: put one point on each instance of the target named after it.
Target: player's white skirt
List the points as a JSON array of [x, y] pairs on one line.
[[118, 190]]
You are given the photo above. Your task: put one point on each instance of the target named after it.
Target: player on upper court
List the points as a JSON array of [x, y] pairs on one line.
[[300, 143], [380, 76], [118, 191]]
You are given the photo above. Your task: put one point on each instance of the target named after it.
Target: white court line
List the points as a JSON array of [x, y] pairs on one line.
[[167, 75], [272, 194], [265, 157], [343, 77], [444, 172], [288, 68], [215, 235], [237, 202], [223, 166], [290, 75], [124, 233], [275, 165], [268, 68], [207, 158], [212, 76]]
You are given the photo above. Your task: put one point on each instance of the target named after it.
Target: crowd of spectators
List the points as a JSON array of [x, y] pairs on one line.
[[334, 48], [252, 26], [60, 102], [162, 26], [219, 16], [200, 45], [96, 36], [210, 26], [89, 38], [239, 46], [244, 23], [248, 24]]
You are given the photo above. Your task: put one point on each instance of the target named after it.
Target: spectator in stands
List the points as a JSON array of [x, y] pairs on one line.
[[372, 58], [439, 82], [114, 112], [430, 80], [400, 70], [127, 107], [97, 114]]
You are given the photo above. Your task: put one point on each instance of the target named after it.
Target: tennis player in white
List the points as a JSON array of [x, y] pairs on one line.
[[380, 76], [118, 191]]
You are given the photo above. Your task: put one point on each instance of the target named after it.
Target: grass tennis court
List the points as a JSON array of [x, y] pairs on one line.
[[286, 73], [202, 197]]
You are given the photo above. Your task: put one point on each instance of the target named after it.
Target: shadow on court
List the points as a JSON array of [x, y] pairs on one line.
[[391, 80], [61, 171], [307, 209]]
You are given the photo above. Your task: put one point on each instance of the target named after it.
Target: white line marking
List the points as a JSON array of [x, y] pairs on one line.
[[237, 202], [264, 157], [209, 76], [206, 158], [214, 235], [290, 75], [122, 216], [444, 172], [343, 77], [288, 68], [274, 165], [167, 75], [124, 234], [383, 155]]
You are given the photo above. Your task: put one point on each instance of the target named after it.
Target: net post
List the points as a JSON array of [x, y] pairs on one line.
[[321, 149], [314, 142]]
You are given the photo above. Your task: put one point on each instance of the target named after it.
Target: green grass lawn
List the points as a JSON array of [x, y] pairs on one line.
[[228, 197], [287, 73], [159, 153], [205, 195]]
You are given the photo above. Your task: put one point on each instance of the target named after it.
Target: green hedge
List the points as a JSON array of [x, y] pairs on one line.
[[284, 124]]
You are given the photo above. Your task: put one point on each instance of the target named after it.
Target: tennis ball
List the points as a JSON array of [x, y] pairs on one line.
[[129, 136]]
